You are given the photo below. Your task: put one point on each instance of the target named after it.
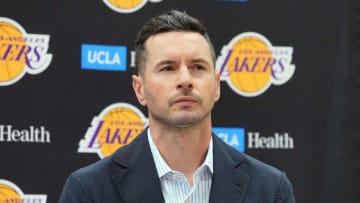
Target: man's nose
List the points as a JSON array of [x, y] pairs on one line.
[[184, 79]]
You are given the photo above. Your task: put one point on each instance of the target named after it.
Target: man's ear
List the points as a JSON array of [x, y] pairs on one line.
[[137, 84]]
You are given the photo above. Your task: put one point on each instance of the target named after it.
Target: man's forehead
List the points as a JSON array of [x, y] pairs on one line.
[[177, 40], [175, 35], [171, 43]]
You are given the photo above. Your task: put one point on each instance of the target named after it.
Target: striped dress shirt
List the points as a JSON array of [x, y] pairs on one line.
[[175, 187]]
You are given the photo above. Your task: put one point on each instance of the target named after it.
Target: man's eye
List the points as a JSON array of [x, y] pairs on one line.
[[198, 67], [166, 68]]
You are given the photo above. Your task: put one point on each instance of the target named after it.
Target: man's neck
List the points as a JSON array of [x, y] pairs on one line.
[[183, 149]]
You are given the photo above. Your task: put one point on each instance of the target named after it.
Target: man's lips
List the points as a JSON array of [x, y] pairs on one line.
[[185, 100]]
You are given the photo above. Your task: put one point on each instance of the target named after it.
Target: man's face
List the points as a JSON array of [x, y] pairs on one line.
[[178, 85]]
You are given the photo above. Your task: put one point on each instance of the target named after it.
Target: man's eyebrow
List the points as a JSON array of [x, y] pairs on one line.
[[170, 62], [200, 60], [164, 62]]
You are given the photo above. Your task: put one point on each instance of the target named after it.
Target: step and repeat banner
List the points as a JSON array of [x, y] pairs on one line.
[[66, 99]]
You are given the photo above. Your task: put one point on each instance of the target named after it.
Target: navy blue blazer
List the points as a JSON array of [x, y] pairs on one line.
[[129, 175]]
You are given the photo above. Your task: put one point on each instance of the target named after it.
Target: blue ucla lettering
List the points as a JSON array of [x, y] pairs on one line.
[[103, 57]]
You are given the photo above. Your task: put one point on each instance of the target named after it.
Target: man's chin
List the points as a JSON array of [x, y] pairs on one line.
[[187, 121]]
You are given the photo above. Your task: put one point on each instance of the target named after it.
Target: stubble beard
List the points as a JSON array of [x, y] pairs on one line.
[[181, 118], [181, 121]]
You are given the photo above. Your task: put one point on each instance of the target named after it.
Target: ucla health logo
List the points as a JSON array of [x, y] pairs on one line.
[[9, 192], [234, 137], [21, 52], [103, 57], [127, 6], [32, 134], [116, 126], [250, 64]]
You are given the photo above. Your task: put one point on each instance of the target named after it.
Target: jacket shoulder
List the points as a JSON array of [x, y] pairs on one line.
[[265, 182]]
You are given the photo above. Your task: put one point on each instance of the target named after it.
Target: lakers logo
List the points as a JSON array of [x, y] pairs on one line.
[[126, 6], [9, 192], [250, 64], [20, 52], [116, 126]]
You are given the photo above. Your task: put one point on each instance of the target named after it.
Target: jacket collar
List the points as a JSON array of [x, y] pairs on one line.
[[136, 177], [137, 180], [230, 178]]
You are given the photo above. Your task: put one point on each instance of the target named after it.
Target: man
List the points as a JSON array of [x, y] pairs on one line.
[[177, 158]]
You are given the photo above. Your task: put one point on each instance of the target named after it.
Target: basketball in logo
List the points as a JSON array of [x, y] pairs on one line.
[[120, 126], [116, 126], [21, 52], [247, 71], [125, 6], [9, 194], [250, 64], [11, 66]]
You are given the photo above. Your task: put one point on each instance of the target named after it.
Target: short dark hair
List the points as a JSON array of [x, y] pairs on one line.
[[172, 20]]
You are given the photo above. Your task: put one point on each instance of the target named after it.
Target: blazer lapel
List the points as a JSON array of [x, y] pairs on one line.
[[136, 177], [230, 178]]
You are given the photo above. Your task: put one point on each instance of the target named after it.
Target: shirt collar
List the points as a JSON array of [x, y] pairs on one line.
[[163, 168]]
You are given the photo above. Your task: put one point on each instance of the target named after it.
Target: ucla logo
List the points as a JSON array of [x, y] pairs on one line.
[[9, 193], [250, 64], [21, 52], [127, 6], [234, 137], [116, 126], [103, 57]]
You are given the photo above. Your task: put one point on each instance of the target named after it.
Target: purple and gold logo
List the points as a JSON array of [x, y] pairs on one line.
[[250, 64], [127, 6], [21, 52], [116, 126], [9, 192]]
